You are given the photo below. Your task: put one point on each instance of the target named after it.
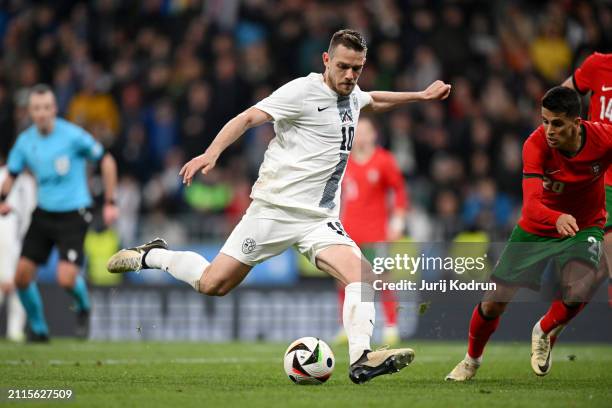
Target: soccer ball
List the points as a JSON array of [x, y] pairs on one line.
[[309, 361]]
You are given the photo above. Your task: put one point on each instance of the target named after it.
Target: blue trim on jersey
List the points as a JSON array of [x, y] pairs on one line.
[[59, 164]]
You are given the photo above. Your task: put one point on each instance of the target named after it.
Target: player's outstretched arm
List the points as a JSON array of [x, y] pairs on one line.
[[108, 168], [232, 130], [384, 101]]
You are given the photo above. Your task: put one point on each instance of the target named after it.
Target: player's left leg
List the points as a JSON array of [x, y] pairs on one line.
[[608, 261], [345, 263], [580, 280], [483, 323], [69, 235]]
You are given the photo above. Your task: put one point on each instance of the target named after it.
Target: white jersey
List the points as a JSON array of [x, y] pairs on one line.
[[22, 199], [304, 164]]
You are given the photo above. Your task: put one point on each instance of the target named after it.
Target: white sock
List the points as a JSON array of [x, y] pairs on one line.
[[537, 330], [472, 360], [16, 318], [183, 265], [358, 315]]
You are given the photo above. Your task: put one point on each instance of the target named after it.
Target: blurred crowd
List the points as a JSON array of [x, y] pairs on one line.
[[155, 80]]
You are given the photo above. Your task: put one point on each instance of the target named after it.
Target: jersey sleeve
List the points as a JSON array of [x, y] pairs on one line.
[[88, 147], [286, 102], [533, 172], [17, 158], [585, 75], [364, 98]]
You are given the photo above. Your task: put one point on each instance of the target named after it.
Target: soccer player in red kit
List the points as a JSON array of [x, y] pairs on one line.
[[562, 219], [368, 215], [595, 76]]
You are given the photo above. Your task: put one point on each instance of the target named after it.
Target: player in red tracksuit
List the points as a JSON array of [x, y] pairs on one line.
[[368, 214], [562, 220], [595, 76]]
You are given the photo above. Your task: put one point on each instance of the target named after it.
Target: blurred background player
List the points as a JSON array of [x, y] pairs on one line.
[[562, 219], [367, 213], [13, 227], [595, 76], [56, 152]]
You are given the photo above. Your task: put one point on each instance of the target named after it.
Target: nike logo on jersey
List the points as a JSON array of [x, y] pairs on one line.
[[551, 171], [322, 109], [606, 88]]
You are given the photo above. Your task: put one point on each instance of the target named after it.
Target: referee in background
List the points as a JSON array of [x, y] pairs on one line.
[[56, 152]]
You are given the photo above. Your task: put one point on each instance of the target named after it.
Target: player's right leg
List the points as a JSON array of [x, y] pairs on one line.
[[216, 278], [37, 246], [31, 300], [257, 237], [10, 248]]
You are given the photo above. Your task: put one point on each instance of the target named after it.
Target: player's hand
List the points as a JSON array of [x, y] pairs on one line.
[[110, 213], [4, 208], [566, 225], [205, 162], [437, 90]]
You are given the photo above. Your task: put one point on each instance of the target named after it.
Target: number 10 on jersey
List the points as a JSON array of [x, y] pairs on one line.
[[348, 134]]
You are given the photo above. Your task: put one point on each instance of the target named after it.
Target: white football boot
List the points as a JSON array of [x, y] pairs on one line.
[[540, 351], [132, 259], [465, 370]]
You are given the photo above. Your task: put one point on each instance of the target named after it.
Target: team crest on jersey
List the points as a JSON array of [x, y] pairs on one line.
[[596, 169], [346, 116], [62, 165], [248, 245]]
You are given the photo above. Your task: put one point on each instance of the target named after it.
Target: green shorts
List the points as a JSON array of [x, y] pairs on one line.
[[608, 225], [374, 250], [525, 256]]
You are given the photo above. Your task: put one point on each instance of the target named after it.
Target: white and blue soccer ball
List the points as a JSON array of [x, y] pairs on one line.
[[309, 361]]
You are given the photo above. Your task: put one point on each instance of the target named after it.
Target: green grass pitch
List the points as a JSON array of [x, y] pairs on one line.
[[146, 374]]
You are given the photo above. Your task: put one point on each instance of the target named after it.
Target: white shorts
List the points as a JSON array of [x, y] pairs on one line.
[[10, 247], [266, 230]]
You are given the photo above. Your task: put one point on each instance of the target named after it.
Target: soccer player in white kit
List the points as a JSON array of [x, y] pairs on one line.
[[296, 197], [13, 228]]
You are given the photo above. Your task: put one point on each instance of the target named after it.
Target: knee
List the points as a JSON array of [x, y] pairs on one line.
[[22, 278], [213, 287], [65, 281], [492, 309], [22, 281]]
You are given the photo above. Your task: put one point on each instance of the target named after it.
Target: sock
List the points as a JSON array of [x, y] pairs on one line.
[[559, 314], [16, 317], [1, 298], [183, 265], [340, 303], [358, 315], [389, 304], [80, 294], [610, 293], [554, 334], [481, 328], [32, 303]]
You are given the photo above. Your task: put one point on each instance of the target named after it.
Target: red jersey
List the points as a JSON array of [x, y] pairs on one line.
[[595, 75], [365, 188], [555, 184]]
